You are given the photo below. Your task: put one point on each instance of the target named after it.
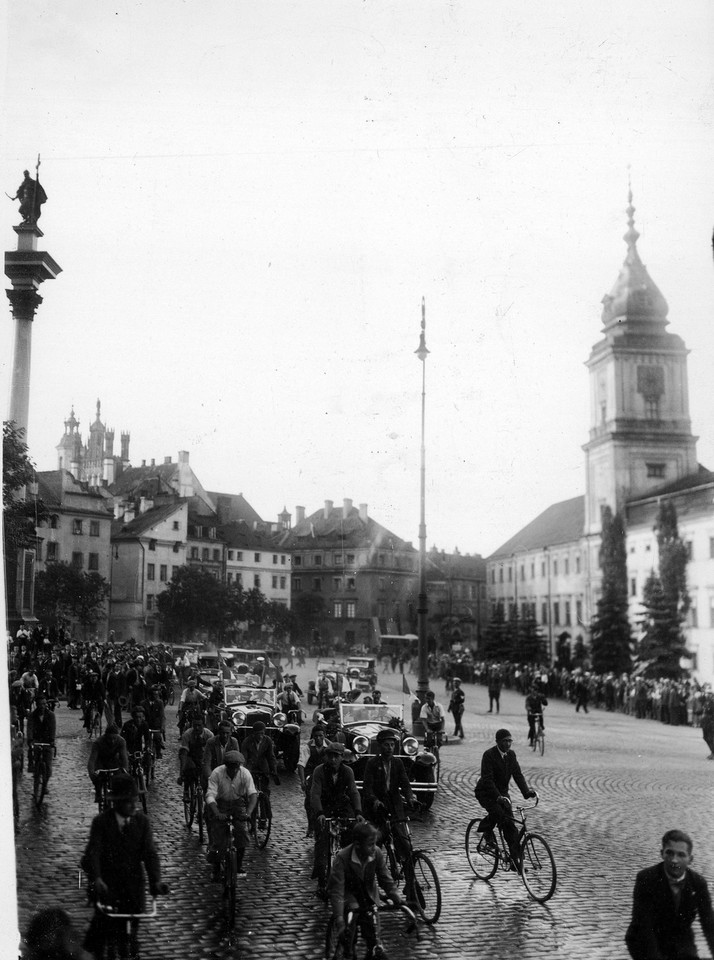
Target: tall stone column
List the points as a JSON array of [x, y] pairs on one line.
[[27, 267]]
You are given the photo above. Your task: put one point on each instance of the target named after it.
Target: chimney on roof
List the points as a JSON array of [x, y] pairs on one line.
[[143, 463], [183, 456], [153, 462], [299, 514], [145, 504], [129, 513], [346, 507], [363, 512], [329, 504], [118, 510], [167, 460]]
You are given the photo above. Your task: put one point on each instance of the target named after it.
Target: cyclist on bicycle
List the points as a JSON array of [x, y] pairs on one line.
[[192, 701], [535, 701], [231, 792], [312, 754], [358, 871], [259, 753], [108, 752], [385, 783], [498, 765], [191, 748], [50, 688], [156, 719], [93, 697], [288, 700], [41, 728], [433, 717], [333, 794], [136, 731]]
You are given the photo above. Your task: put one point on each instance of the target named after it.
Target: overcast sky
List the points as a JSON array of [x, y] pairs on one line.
[[249, 200]]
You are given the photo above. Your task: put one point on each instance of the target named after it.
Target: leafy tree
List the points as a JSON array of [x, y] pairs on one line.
[[309, 610], [496, 643], [194, 602], [64, 593], [527, 642], [279, 619], [611, 639], [666, 601]]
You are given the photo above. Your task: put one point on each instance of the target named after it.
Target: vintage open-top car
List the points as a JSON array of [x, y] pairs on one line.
[[338, 683], [361, 722], [248, 703], [362, 672]]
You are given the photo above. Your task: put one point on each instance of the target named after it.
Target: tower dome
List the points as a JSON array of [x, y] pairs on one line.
[[635, 298]]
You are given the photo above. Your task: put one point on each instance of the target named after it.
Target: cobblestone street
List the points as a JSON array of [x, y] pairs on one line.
[[610, 786]]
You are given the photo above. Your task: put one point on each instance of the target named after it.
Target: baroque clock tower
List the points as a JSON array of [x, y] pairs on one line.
[[640, 430]]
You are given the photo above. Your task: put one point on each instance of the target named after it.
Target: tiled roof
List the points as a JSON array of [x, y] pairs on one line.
[[137, 526], [698, 479], [317, 531], [560, 523], [158, 478], [242, 536], [232, 507], [50, 489]]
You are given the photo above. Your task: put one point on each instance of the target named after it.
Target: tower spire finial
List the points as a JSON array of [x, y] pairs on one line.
[[632, 236]]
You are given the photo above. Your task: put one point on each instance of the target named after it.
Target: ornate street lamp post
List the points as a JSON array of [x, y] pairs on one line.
[[423, 609]]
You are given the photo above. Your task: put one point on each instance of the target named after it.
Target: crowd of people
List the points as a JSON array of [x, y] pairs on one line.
[[121, 855]]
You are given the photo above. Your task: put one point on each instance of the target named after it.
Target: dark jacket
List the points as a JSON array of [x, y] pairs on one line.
[[345, 881], [259, 755], [496, 773], [375, 786], [213, 754], [336, 798], [658, 931], [117, 858]]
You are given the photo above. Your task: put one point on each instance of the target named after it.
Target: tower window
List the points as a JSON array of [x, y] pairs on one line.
[[655, 470], [652, 408]]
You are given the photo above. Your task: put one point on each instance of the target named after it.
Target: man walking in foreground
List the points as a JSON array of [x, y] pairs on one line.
[[666, 900]]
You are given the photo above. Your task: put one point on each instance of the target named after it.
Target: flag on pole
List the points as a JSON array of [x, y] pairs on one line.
[[405, 686]]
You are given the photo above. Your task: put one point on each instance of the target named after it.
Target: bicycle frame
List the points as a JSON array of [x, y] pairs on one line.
[[105, 785]]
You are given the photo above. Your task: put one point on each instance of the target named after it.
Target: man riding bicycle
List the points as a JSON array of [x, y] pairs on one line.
[[191, 748], [333, 794], [136, 733], [385, 783], [498, 765], [92, 697], [259, 754], [41, 727], [312, 755], [192, 701], [231, 792], [108, 753], [535, 701], [433, 717]]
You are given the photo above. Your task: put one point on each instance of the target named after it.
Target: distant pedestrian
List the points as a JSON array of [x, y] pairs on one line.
[[581, 695], [456, 707], [667, 899], [494, 691]]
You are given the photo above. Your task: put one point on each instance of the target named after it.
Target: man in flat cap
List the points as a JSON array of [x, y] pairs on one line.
[[231, 793]]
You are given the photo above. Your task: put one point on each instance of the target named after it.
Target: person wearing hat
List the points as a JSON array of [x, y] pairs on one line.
[[216, 748], [456, 707], [156, 719], [191, 749], [41, 728], [119, 853], [92, 696], [386, 787], [259, 754], [333, 794], [136, 731], [498, 766], [312, 753], [108, 753], [190, 702], [535, 701], [231, 792]]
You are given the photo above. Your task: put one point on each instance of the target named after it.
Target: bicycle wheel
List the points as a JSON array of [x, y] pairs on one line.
[[40, 783], [427, 889], [482, 860], [172, 694], [189, 804], [199, 813], [263, 821], [541, 742], [141, 785], [230, 887], [538, 867]]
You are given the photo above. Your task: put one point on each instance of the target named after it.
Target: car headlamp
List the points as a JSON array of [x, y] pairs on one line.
[[410, 746], [360, 744], [239, 717], [279, 720]]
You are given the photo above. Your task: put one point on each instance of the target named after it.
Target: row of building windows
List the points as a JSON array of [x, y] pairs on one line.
[[257, 557], [78, 527], [556, 569], [562, 611], [349, 608], [343, 559]]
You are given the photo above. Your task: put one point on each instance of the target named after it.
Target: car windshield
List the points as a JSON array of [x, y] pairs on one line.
[[370, 712], [249, 694]]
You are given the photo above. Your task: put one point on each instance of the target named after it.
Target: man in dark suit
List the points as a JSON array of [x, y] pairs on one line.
[[259, 756], [498, 765], [666, 901], [120, 849]]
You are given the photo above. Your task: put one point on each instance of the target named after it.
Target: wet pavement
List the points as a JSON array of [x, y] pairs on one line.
[[610, 785]]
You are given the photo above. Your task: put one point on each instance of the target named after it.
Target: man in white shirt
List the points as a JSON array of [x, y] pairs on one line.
[[231, 793], [433, 716]]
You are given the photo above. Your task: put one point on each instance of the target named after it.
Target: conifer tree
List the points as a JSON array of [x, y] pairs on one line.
[[611, 638]]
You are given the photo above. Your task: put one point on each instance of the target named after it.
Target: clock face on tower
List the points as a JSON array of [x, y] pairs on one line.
[[650, 381]]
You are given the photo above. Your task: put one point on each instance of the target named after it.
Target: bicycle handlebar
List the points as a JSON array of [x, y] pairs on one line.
[[109, 911]]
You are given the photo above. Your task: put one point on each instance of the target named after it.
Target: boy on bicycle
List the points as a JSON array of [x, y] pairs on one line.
[[358, 871], [535, 701]]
